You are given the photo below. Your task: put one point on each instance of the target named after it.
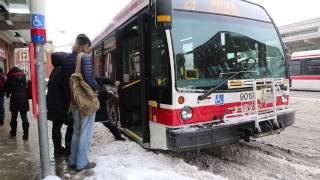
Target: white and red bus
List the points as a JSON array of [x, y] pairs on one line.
[[195, 73], [304, 70]]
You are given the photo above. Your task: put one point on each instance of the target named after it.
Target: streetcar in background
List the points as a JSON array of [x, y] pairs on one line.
[[195, 73], [304, 68]]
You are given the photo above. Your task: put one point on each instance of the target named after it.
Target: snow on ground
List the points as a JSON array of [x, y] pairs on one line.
[[51, 177], [293, 154], [128, 160]]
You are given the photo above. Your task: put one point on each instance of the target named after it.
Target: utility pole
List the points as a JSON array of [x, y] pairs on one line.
[[38, 35]]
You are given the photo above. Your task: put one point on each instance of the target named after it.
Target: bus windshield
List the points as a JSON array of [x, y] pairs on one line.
[[210, 48]]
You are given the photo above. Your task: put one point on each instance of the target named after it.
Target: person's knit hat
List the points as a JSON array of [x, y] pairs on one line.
[[58, 57], [83, 39]]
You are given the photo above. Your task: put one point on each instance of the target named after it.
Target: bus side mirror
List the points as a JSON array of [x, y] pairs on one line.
[[163, 14]]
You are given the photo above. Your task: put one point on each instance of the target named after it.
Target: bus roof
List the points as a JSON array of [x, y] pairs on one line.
[[131, 9], [245, 9], [305, 54]]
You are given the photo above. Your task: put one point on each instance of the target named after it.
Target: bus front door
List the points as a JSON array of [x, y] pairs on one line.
[[132, 92]]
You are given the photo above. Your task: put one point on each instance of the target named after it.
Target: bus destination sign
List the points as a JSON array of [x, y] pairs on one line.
[[214, 6], [226, 7]]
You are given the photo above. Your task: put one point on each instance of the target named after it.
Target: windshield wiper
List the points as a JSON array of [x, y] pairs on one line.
[[205, 95]]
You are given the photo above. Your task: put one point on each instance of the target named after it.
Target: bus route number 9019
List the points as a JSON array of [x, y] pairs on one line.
[[246, 96]]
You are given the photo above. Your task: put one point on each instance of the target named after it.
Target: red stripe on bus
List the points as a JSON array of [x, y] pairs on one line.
[[305, 77], [171, 117]]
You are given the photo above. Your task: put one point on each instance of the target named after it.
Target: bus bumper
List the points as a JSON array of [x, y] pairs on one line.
[[210, 135]]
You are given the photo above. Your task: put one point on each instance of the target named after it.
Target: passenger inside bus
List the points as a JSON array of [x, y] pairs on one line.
[[180, 66]]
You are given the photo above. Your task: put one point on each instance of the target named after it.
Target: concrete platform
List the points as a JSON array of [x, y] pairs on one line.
[[19, 159]]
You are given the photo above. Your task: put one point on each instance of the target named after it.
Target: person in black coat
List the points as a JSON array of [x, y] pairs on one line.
[[58, 106], [17, 87], [2, 93], [102, 113]]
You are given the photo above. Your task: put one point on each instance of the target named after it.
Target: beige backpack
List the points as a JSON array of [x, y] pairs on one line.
[[82, 95]]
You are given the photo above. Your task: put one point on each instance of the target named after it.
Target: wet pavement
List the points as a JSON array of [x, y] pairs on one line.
[[19, 159], [305, 94]]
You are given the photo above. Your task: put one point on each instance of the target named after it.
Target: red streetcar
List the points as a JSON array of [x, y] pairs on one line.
[[304, 69]]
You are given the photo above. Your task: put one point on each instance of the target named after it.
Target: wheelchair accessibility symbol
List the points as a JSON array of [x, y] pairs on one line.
[[38, 21], [219, 99]]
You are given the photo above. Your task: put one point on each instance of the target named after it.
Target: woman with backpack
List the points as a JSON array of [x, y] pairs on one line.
[[82, 124]]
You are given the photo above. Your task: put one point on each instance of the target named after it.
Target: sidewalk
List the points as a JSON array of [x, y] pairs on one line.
[[19, 159]]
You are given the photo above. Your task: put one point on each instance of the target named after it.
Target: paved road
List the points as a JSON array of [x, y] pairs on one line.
[[305, 94]]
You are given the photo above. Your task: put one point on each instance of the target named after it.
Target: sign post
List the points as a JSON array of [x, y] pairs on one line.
[[38, 35], [33, 82]]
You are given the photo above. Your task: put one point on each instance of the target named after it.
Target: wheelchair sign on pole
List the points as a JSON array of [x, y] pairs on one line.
[[38, 21], [38, 31]]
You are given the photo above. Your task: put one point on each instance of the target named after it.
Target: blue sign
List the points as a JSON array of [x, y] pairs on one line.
[[38, 38], [38, 31], [37, 21], [219, 99]]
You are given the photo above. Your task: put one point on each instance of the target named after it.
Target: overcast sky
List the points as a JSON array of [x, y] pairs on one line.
[[67, 18], [289, 11]]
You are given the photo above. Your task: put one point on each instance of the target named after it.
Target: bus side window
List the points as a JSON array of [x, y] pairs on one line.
[[131, 53], [160, 69], [97, 61], [312, 67], [295, 67], [109, 66], [159, 62]]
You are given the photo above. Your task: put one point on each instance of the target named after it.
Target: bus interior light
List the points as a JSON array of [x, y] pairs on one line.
[[186, 39]]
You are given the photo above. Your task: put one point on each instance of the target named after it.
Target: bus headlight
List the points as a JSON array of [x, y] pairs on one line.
[[186, 113]]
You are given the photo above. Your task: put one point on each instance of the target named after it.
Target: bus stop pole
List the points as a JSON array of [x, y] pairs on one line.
[[38, 35]]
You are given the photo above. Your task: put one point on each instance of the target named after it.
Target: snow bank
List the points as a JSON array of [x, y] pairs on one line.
[[127, 160], [51, 177]]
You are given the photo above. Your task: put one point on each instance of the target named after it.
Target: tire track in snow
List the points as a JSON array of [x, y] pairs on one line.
[[253, 161]]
